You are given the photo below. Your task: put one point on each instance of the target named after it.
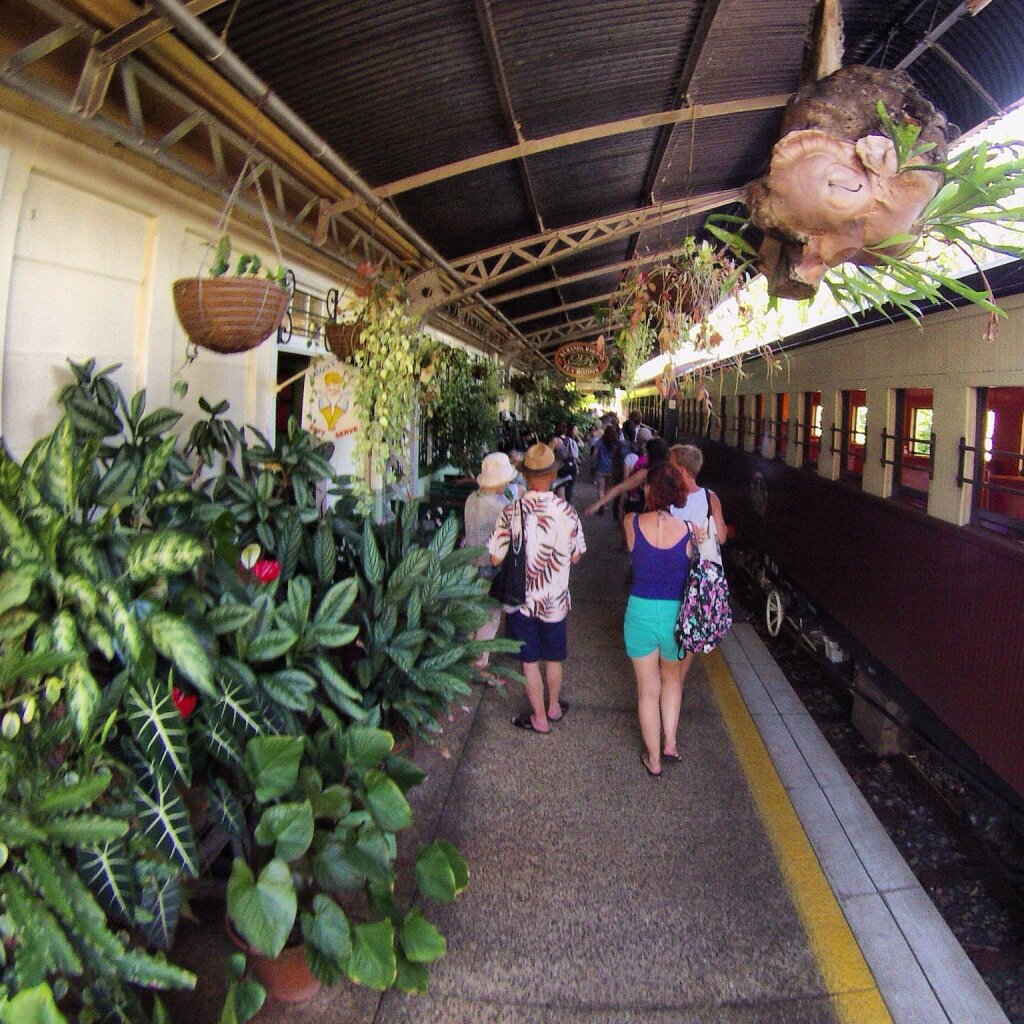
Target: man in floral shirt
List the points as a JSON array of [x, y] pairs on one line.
[[554, 542]]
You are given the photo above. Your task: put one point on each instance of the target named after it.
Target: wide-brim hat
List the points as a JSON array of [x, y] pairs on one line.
[[496, 470], [539, 459]]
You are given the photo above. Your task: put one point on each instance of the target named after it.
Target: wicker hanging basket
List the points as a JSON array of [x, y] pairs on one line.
[[229, 314], [343, 339]]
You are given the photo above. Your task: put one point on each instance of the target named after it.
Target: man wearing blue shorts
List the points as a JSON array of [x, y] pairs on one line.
[[554, 542]]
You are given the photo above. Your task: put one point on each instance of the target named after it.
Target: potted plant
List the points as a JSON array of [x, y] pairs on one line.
[[419, 604], [326, 811], [231, 313]]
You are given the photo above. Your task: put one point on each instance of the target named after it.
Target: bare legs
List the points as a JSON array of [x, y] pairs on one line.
[[659, 685], [535, 692]]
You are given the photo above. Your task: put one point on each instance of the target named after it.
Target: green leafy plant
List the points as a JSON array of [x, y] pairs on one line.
[[327, 810], [419, 603], [247, 265], [977, 193]]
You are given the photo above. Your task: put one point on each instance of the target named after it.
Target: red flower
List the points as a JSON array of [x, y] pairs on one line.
[[266, 570], [184, 702]]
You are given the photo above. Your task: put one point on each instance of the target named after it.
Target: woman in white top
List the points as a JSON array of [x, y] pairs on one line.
[[696, 509]]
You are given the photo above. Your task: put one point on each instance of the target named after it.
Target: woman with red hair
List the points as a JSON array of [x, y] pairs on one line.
[[661, 548]]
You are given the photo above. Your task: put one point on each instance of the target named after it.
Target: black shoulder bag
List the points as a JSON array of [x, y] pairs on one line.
[[509, 586]]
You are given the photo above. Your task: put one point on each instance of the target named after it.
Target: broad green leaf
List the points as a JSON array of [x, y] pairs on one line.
[[290, 688], [271, 644], [108, 871], [263, 911], [337, 601], [83, 696], [372, 962], [288, 827], [119, 479], [176, 640], [386, 802], [421, 942], [411, 978], [91, 418], [162, 554], [366, 747], [76, 796], [325, 551], [154, 464], [158, 421], [373, 564], [159, 730], [228, 618], [165, 821], [57, 480], [436, 873], [272, 763], [32, 1006], [161, 895], [328, 929]]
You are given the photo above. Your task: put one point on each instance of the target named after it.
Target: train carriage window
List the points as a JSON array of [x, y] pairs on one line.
[[998, 498], [911, 447], [762, 443], [852, 433], [781, 425], [810, 429]]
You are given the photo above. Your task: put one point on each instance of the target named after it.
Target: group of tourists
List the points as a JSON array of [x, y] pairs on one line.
[[667, 519]]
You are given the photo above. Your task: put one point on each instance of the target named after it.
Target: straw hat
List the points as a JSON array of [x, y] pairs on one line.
[[496, 470], [539, 459]]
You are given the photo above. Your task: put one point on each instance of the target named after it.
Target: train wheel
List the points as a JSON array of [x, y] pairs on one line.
[[774, 612]]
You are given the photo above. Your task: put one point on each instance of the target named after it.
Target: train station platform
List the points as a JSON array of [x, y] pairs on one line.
[[749, 884]]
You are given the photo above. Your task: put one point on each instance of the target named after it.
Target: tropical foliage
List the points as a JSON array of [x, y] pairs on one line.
[[166, 617]]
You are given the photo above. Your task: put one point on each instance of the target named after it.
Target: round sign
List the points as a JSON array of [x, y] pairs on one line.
[[581, 359]]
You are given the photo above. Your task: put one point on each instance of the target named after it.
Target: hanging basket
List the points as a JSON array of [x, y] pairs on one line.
[[229, 314], [343, 339]]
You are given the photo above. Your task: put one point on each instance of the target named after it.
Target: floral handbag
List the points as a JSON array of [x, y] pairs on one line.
[[704, 616]]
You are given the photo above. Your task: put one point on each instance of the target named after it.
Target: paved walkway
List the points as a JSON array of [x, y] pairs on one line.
[[599, 895]]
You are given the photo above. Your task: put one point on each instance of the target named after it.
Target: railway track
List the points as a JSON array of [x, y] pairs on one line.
[[965, 853]]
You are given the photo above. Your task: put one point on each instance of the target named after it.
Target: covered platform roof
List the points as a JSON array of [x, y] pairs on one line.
[[511, 158]]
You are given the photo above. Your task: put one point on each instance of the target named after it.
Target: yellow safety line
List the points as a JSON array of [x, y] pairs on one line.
[[846, 975]]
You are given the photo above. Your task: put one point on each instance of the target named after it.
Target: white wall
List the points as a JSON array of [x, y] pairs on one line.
[[89, 248]]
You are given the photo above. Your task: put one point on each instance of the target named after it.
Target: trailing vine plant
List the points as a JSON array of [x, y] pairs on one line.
[[388, 363]]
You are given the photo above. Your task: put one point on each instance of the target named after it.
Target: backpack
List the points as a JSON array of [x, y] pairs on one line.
[[704, 615]]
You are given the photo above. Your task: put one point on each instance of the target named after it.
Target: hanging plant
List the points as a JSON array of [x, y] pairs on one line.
[[388, 364], [903, 214], [667, 304], [465, 411]]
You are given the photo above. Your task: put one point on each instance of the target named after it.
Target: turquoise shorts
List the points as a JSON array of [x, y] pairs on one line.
[[650, 625]]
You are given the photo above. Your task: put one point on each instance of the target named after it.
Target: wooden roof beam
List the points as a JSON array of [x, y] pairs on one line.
[[644, 122]]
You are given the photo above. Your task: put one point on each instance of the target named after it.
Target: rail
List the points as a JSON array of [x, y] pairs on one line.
[[898, 439], [963, 448]]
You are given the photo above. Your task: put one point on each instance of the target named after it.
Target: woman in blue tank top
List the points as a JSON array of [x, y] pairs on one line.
[[661, 549]]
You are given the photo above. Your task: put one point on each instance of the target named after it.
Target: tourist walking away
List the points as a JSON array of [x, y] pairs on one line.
[[700, 505], [661, 548], [655, 452], [603, 453], [483, 507], [567, 454], [554, 542]]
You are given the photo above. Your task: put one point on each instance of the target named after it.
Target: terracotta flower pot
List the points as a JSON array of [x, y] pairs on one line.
[[286, 977]]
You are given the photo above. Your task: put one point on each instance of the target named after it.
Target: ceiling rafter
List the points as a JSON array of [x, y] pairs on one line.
[[554, 310], [528, 147], [485, 19], [979, 89], [201, 150], [117, 44], [682, 100], [574, 330], [482, 270], [583, 275]]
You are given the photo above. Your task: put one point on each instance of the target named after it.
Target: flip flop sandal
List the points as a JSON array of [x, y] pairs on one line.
[[523, 721], [564, 705], [653, 775], [671, 757]]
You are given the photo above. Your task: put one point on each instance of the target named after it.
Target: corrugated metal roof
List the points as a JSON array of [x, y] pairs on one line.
[[402, 87]]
